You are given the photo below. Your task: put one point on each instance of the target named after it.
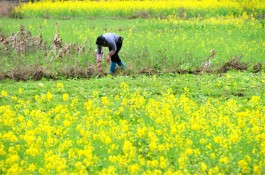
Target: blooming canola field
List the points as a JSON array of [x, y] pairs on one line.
[[148, 119], [188, 8], [46, 128]]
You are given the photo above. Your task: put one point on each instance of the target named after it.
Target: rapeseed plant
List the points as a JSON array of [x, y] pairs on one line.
[[130, 8], [170, 133], [4, 94]]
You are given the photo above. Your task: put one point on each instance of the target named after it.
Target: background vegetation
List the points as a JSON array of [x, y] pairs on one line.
[[146, 8]]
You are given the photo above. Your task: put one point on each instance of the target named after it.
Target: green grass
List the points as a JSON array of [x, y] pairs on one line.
[[164, 45], [230, 85]]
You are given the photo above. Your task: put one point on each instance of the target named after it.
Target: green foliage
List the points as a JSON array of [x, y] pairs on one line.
[[164, 45], [200, 87]]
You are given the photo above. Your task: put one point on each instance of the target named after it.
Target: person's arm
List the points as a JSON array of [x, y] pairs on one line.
[[112, 51], [113, 48]]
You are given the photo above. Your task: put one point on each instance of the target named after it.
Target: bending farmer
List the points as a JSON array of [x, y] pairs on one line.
[[114, 43]]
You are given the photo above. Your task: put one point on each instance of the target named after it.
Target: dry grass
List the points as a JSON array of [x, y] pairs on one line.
[[37, 72], [233, 64]]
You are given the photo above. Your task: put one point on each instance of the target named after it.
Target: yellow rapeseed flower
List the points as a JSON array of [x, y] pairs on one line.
[[4, 93], [203, 167], [59, 86], [65, 97]]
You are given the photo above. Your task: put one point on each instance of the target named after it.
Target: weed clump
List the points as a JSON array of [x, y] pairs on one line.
[[233, 64]]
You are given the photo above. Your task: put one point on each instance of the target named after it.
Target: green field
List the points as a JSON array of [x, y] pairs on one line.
[[150, 44], [164, 114]]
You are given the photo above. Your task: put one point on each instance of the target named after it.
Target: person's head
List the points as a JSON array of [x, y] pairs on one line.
[[101, 40]]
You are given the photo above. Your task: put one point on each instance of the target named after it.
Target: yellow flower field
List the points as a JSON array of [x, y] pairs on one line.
[[54, 132], [128, 8], [176, 120]]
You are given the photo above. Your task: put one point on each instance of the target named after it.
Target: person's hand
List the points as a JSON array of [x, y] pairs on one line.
[[98, 65], [108, 59]]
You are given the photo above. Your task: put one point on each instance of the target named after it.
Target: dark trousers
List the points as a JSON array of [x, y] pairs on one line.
[[115, 57]]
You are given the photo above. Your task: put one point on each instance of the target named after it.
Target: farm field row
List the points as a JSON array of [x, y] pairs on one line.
[[145, 9]]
